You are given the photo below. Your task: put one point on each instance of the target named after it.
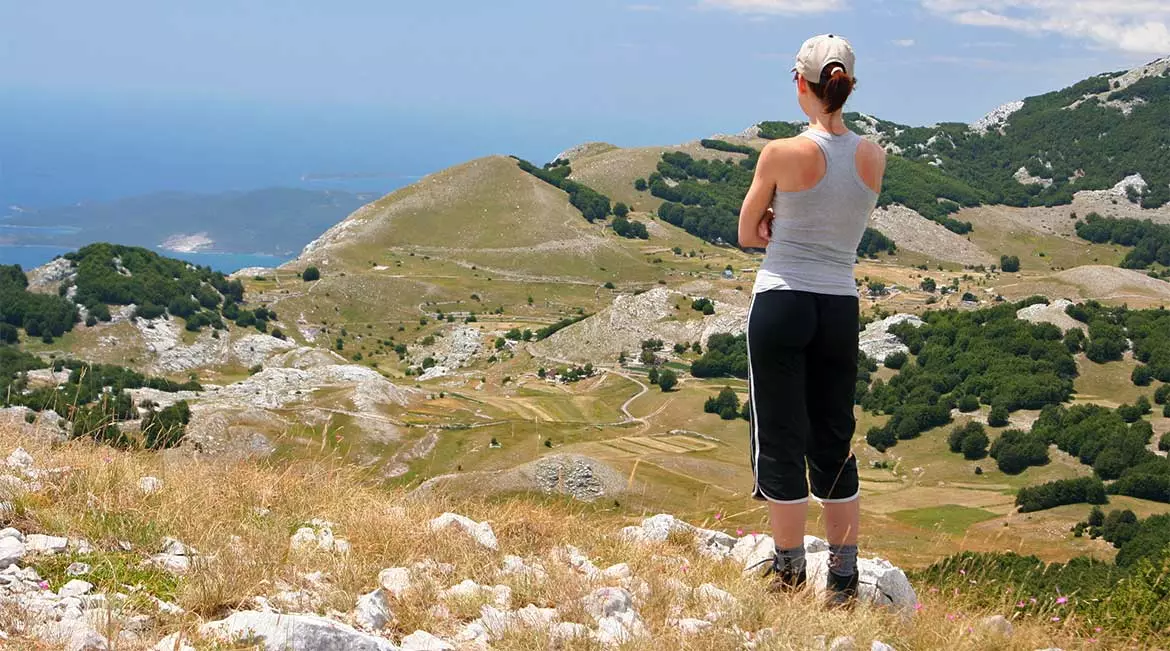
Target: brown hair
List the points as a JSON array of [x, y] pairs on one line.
[[835, 87]]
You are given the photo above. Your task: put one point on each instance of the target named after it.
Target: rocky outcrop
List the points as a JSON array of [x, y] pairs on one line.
[[876, 341]]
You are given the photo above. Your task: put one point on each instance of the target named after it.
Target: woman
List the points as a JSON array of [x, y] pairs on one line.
[[808, 205]]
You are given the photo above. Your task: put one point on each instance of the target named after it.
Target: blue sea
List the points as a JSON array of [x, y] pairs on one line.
[[58, 150]]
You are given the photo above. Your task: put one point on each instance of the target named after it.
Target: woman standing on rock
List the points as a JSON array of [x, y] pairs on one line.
[[808, 205]]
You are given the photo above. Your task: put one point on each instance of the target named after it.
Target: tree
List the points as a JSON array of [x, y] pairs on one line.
[[1164, 442], [968, 404], [640, 185], [895, 360], [1096, 517], [928, 285], [310, 274], [620, 209], [975, 445], [998, 416], [667, 380], [653, 375], [876, 288], [1142, 376], [1009, 263]]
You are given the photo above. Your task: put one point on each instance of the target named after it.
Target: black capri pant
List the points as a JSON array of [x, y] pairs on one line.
[[802, 358]]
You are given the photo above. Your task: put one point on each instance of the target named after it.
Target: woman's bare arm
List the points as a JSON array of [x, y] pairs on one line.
[[759, 199]]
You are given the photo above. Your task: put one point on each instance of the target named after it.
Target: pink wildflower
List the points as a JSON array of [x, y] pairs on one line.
[[1020, 604], [739, 532], [1062, 600], [1056, 618], [43, 585], [950, 617], [1097, 630], [962, 571], [719, 516]]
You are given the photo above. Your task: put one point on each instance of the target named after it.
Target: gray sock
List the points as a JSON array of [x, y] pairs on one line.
[[843, 560], [792, 559]]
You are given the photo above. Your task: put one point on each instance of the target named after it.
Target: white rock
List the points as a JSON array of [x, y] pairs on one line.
[[576, 559], [11, 551], [465, 589], [86, 639], [569, 632], [304, 539], [173, 642], [171, 563], [538, 618], [10, 532], [494, 621], [41, 544], [481, 532], [880, 646], [691, 626], [753, 550], [274, 632], [997, 625], [604, 602], [880, 582], [149, 485], [78, 569], [616, 631], [395, 581], [812, 545], [166, 607], [372, 613], [75, 588], [501, 596], [516, 566], [423, 641], [20, 460], [474, 634], [619, 571], [176, 547], [843, 643], [711, 596]]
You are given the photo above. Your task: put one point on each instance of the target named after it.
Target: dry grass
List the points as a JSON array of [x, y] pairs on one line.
[[240, 517]]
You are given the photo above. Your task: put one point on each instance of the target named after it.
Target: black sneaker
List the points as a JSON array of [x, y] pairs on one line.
[[841, 591], [783, 578]]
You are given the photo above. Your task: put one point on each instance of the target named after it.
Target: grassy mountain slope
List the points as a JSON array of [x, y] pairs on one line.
[[242, 536]]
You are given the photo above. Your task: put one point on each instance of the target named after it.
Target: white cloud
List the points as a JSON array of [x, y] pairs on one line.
[[777, 6], [903, 42], [1135, 26]]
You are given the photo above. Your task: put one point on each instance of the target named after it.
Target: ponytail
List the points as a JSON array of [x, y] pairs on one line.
[[835, 87]]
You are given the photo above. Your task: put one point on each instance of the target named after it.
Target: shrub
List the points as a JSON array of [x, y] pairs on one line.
[[310, 274], [1060, 492], [1014, 451], [998, 416], [968, 404], [1164, 442], [1009, 263], [895, 360], [667, 380]]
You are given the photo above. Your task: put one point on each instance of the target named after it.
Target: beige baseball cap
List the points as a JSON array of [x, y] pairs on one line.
[[819, 51]]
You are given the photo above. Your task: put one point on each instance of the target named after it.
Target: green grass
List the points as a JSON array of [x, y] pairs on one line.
[[110, 572], [949, 518]]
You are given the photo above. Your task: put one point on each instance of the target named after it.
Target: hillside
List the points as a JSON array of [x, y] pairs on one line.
[[103, 549]]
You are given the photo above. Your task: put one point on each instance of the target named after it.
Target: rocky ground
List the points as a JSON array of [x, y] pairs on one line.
[[370, 570]]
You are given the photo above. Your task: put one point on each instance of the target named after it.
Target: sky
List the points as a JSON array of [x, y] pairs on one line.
[[537, 76]]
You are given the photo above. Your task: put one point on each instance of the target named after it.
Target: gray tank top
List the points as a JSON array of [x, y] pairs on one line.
[[816, 231]]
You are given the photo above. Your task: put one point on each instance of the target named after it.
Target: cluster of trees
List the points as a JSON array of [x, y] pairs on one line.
[[1009, 263], [110, 274], [932, 193], [550, 330], [628, 228], [40, 315], [1112, 328], [1085, 148], [1116, 449], [726, 404], [874, 242], [866, 367], [96, 400], [1136, 539], [1150, 241], [723, 145], [1016, 450], [989, 354], [704, 305], [571, 374], [970, 439], [592, 204], [726, 356], [515, 334], [1081, 490], [666, 379]]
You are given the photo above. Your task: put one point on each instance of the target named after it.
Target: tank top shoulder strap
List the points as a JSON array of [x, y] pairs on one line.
[[840, 151]]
